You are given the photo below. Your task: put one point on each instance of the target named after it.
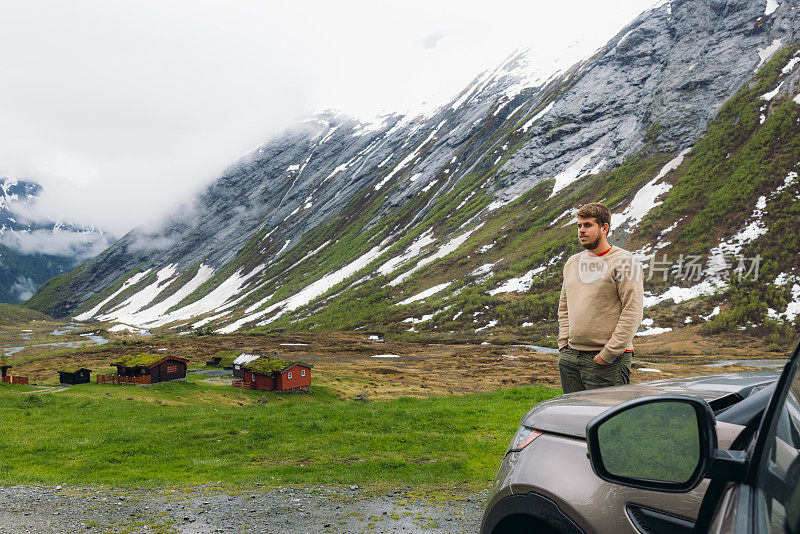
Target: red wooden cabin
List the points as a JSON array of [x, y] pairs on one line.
[[7, 378], [275, 375], [4, 367]]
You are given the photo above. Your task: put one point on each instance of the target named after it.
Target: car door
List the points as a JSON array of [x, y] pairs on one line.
[[668, 443], [768, 499]]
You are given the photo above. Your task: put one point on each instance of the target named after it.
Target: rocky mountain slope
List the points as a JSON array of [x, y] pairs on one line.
[[685, 124], [33, 251]]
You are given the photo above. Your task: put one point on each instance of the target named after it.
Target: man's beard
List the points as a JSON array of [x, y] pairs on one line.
[[594, 244]]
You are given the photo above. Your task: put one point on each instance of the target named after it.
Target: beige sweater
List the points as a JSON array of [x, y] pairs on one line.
[[600, 307]]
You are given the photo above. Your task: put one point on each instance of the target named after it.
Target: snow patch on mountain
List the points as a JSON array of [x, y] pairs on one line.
[[128, 283], [518, 285], [789, 67], [571, 173], [647, 197], [425, 294], [765, 53], [412, 251], [124, 312], [446, 249], [308, 293], [542, 113], [772, 5], [408, 159], [718, 265], [156, 315]]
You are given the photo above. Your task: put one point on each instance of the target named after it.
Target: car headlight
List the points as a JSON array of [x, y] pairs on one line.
[[524, 436]]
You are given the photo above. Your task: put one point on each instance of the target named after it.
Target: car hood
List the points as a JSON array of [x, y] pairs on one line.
[[568, 414]]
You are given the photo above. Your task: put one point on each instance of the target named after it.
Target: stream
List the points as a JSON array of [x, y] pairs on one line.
[[91, 339]]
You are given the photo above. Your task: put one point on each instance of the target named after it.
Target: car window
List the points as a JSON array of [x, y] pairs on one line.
[[778, 487]]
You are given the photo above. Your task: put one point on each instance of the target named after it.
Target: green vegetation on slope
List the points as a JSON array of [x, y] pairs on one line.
[[12, 315], [738, 160], [521, 239]]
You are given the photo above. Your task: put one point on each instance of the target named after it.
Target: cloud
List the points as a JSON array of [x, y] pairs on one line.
[[166, 230], [150, 242], [431, 41], [24, 288], [123, 109], [81, 245]]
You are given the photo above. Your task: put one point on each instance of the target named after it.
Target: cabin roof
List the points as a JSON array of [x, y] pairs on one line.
[[145, 360], [245, 358], [267, 365]]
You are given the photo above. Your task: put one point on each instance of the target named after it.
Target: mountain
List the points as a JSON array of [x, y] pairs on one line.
[[33, 251], [685, 124]]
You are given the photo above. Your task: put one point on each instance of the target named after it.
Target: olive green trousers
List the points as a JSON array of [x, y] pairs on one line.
[[579, 371]]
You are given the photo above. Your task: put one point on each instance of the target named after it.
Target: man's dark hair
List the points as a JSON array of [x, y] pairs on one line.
[[597, 210]]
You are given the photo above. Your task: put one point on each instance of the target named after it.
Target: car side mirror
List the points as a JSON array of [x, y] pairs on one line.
[[662, 443]]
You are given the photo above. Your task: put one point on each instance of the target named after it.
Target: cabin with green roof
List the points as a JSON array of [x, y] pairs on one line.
[[151, 368], [275, 375]]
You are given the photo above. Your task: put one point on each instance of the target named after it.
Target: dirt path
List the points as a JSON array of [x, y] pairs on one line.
[[44, 390], [206, 510]]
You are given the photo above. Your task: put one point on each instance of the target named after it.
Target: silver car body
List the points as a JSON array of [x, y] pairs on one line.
[[555, 466]]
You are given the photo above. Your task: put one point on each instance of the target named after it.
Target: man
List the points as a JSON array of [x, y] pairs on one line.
[[600, 307]]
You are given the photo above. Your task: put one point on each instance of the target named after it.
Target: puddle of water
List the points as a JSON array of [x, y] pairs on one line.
[[762, 364], [386, 356], [66, 329], [537, 348]]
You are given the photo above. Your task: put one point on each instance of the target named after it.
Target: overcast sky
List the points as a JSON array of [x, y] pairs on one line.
[[121, 109]]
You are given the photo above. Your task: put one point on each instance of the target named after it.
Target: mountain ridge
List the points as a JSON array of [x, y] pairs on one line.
[[265, 239], [31, 250]]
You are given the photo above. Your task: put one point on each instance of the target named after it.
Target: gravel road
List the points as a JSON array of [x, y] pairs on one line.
[[203, 509]]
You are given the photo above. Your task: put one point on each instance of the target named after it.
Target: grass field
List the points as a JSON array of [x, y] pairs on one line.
[[193, 432]]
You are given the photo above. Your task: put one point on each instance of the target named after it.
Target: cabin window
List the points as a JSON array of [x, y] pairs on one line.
[[290, 375], [172, 368], [302, 372]]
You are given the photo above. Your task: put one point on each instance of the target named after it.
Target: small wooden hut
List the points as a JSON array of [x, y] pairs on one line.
[[70, 377], [151, 368], [6, 377]]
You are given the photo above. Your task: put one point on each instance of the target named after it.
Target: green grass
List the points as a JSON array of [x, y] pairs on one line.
[[193, 433]]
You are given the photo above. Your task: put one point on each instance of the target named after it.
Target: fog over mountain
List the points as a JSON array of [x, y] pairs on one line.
[[460, 217], [33, 249], [121, 111]]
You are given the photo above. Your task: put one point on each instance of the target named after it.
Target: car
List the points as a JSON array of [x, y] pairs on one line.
[[626, 460]]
